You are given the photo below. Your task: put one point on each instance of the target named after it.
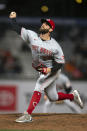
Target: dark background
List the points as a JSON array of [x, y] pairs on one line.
[[56, 8], [70, 17]]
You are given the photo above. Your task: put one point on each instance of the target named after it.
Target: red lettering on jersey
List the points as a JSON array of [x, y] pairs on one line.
[[42, 50], [45, 51]]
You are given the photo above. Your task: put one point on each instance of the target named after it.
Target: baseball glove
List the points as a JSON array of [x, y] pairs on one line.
[[41, 68]]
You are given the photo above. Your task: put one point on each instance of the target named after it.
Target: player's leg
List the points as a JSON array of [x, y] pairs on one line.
[[53, 95], [33, 102], [42, 82]]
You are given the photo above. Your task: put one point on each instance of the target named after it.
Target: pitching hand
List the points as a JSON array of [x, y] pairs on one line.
[[12, 15]]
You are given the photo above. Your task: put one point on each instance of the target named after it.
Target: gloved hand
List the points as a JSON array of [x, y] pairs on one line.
[[42, 68]]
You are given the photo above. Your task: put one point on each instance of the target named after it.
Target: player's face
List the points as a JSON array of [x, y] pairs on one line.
[[45, 28]]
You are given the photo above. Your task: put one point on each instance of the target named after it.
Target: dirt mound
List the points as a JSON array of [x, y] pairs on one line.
[[55, 122]]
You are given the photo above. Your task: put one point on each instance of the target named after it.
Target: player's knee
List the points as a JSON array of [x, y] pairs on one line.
[[37, 89], [52, 97]]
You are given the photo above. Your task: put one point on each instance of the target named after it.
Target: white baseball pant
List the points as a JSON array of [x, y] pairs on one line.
[[47, 83]]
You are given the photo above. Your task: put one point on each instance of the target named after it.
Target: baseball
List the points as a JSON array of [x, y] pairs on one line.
[[12, 15]]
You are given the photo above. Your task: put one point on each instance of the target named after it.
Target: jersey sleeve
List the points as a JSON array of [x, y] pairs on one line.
[[28, 35], [24, 34], [59, 56]]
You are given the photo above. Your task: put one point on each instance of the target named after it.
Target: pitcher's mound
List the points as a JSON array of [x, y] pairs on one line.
[[53, 122]]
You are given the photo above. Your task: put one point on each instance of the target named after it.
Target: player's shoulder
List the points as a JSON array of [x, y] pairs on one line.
[[55, 42]]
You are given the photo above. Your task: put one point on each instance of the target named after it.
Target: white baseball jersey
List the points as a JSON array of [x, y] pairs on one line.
[[63, 82], [42, 51]]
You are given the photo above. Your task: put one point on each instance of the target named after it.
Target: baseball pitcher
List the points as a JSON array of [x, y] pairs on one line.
[[47, 59]]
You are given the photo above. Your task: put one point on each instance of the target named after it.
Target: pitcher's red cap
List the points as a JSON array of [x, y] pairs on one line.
[[49, 22]]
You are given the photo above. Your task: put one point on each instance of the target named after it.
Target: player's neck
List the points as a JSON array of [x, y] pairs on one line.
[[45, 36]]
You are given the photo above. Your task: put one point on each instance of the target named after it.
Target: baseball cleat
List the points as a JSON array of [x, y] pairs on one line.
[[77, 98], [25, 118]]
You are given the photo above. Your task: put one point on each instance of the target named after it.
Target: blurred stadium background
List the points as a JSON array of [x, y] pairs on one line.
[[17, 77]]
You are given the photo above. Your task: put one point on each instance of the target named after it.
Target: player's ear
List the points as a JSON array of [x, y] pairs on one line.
[[50, 30]]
